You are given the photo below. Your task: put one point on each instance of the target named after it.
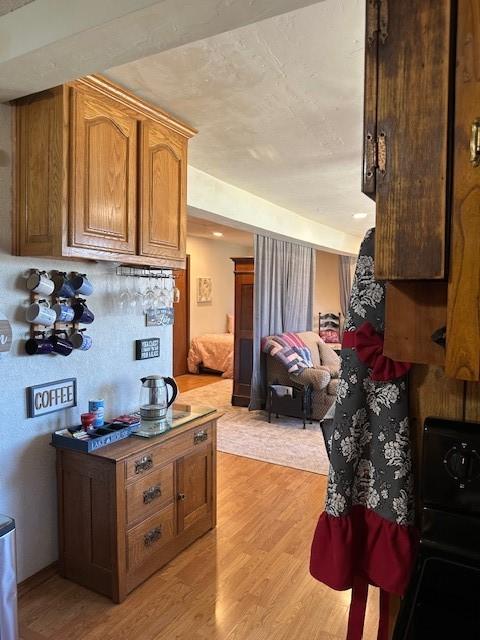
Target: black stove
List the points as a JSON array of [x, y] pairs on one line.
[[443, 598]]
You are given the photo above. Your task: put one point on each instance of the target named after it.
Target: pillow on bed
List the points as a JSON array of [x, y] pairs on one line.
[[230, 323]]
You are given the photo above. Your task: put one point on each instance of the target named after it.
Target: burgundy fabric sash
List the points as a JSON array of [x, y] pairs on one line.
[[369, 346]]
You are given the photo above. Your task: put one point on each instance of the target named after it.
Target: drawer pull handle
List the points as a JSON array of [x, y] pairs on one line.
[[200, 436], [181, 497], [144, 464], [151, 493], [152, 536]]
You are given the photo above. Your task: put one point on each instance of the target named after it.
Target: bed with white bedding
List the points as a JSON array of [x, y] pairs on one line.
[[212, 351]]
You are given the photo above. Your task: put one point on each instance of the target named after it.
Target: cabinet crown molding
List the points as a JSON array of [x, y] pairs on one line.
[[129, 99]]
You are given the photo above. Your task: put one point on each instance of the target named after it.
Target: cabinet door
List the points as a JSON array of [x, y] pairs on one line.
[[163, 192], [103, 175], [195, 488], [463, 325], [414, 68]]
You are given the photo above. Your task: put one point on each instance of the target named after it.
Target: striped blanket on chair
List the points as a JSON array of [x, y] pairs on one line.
[[289, 350]]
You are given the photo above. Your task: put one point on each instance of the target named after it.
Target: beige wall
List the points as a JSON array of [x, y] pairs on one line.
[[327, 288], [211, 258]]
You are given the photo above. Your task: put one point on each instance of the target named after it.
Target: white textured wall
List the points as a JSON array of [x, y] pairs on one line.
[[211, 258], [27, 462]]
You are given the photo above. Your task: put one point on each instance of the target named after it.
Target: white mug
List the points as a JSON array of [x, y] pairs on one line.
[[40, 313], [39, 282]]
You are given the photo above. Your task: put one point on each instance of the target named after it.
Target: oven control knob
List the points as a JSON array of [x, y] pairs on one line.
[[462, 464]]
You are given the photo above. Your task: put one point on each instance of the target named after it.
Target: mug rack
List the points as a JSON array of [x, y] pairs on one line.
[[66, 329], [144, 272]]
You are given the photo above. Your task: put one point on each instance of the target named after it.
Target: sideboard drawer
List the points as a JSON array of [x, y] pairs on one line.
[[158, 454], [149, 493], [144, 540]]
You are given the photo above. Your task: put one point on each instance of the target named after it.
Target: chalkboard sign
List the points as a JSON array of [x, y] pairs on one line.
[[147, 348]]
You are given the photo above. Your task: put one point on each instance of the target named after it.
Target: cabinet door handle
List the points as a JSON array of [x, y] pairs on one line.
[[181, 496], [152, 536], [151, 493], [144, 464], [475, 143], [200, 436]]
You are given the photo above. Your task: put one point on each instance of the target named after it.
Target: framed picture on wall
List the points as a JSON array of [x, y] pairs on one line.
[[204, 290]]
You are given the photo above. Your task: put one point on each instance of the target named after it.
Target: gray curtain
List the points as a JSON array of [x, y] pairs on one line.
[[345, 281], [283, 298]]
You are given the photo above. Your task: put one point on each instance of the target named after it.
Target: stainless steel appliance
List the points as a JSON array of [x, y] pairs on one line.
[[154, 403]]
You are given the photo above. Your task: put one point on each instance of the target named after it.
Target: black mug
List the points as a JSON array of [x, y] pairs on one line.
[[38, 346], [62, 346], [82, 313]]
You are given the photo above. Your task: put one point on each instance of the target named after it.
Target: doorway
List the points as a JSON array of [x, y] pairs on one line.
[[181, 325]]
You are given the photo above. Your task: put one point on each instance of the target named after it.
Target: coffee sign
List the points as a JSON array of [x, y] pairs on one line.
[[51, 396], [5, 334]]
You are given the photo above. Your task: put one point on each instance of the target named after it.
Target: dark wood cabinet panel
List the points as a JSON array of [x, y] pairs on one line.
[[163, 192], [243, 341], [463, 329], [103, 175], [412, 156], [414, 311]]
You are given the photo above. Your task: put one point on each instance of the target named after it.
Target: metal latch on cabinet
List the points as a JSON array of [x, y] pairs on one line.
[[375, 154], [475, 143]]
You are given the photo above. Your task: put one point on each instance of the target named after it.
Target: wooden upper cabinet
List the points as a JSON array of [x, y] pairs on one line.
[[163, 169], [100, 174], [103, 175], [408, 62]]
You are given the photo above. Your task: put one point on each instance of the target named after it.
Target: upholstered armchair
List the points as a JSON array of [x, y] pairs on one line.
[[323, 376]]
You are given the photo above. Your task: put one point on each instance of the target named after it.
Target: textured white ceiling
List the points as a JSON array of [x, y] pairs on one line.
[[278, 105]]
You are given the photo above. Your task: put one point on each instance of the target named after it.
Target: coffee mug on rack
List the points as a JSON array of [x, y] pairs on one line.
[[62, 346], [40, 313], [39, 282], [63, 288], [38, 346], [81, 284], [64, 312], [81, 341], [82, 313]]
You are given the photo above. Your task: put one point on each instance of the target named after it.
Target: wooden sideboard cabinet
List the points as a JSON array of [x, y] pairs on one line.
[[100, 174], [129, 508]]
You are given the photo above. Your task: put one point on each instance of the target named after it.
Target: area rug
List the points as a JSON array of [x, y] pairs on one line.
[[247, 433]]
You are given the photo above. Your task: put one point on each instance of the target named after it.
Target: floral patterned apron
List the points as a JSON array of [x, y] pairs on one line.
[[365, 535]]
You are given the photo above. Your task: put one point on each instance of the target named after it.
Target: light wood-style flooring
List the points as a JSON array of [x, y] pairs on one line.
[[247, 580], [195, 380]]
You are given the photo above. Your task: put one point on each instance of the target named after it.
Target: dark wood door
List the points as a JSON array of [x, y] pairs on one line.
[[243, 342], [163, 177], [181, 326], [412, 152], [194, 484], [103, 206]]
